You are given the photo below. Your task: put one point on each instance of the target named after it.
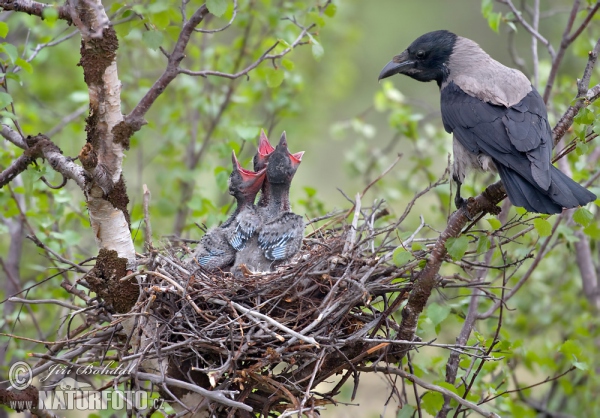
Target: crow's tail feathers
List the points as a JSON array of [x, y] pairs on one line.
[[563, 192]]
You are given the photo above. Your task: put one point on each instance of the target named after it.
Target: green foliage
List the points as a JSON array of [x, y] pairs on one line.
[[457, 247], [543, 227], [401, 256]]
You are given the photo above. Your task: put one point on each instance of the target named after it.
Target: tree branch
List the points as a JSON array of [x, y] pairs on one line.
[[528, 27], [584, 96], [430, 386], [565, 42], [135, 119], [12, 136], [35, 8], [40, 146], [264, 57]]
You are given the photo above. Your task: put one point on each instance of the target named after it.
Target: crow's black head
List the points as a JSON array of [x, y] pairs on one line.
[[425, 59]]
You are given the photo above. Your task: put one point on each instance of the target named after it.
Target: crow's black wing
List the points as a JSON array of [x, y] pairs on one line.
[[517, 137], [519, 140]]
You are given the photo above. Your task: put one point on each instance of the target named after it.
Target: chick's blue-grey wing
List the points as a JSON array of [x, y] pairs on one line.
[[243, 228], [281, 238], [214, 250]]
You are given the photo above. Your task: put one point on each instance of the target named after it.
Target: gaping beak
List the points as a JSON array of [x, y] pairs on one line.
[[296, 158], [283, 140], [248, 176], [264, 146], [396, 65]]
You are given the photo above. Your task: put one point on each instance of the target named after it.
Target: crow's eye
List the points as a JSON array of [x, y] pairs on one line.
[[420, 54]]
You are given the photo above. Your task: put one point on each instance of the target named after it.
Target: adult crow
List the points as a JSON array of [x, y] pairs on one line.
[[498, 119]]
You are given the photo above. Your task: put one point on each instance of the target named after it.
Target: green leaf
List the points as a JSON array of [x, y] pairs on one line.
[[161, 20], [330, 10], [217, 7], [432, 402], [24, 65], [448, 386], [581, 148], [10, 50], [570, 348], [407, 411], [50, 14], [274, 77], [437, 313], [494, 223], [457, 247], [401, 256], [287, 64], [487, 7], [494, 21], [317, 49], [152, 39], [3, 29], [543, 227], [483, 244], [593, 231], [5, 100], [583, 217], [580, 365]]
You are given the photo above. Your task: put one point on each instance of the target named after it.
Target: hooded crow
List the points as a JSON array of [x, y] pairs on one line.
[[280, 234], [217, 248], [498, 119]]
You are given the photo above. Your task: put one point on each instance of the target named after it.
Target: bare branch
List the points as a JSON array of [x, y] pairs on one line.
[[264, 57], [148, 230], [135, 119], [14, 169], [565, 42], [41, 146], [35, 8], [430, 386], [528, 27], [215, 395], [235, 7], [584, 96], [13, 136]]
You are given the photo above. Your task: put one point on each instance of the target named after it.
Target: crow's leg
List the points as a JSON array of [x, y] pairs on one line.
[[459, 201]]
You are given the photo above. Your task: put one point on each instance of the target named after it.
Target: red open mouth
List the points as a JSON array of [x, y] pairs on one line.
[[264, 146], [247, 175]]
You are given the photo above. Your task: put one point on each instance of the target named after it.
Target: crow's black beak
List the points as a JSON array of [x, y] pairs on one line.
[[396, 65]]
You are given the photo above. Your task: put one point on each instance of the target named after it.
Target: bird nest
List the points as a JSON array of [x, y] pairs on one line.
[[268, 339]]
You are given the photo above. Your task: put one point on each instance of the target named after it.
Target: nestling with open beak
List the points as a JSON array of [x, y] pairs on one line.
[[280, 235], [217, 248]]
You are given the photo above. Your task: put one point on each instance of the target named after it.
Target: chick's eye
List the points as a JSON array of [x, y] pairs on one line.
[[420, 54]]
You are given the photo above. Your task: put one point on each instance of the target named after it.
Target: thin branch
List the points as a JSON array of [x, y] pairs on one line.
[[584, 96], [13, 136], [548, 379], [430, 386], [45, 302], [135, 119], [235, 6], [148, 230], [35, 8], [264, 57], [528, 27], [14, 169], [541, 254]]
